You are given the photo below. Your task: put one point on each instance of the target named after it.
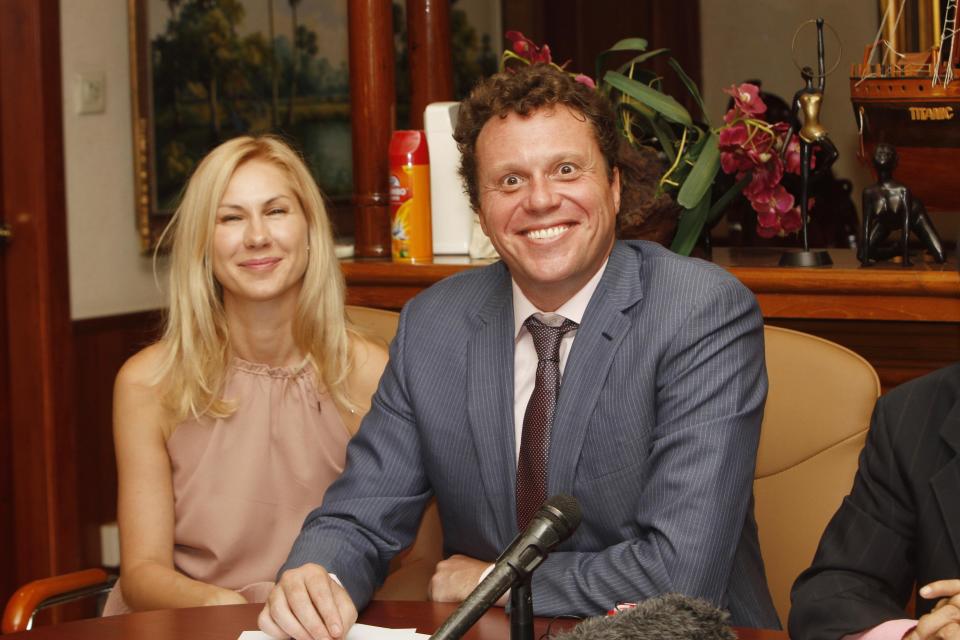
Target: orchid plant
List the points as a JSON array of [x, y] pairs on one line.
[[756, 151], [744, 146]]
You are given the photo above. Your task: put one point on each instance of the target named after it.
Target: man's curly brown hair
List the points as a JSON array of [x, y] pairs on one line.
[[523, 91]]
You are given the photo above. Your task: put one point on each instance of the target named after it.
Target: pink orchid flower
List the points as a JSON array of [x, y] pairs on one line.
[[777, 201], [734, 135], [791, 221], [585, 80], [526, 48], [747, 98]]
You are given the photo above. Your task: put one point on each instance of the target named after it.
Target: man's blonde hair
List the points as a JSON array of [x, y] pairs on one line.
[[196, 342]]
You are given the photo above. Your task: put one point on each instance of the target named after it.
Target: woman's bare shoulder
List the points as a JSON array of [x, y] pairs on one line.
[[138, 401], [141, 368]]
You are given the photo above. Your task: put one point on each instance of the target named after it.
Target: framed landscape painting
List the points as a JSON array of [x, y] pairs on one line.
[[204, 71], [209, 70]]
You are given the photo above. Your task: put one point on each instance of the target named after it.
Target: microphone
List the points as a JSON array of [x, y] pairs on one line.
[[670, 616], [553, 523]]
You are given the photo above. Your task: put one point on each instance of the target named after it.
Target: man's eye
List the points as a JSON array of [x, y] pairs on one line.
[[511, 181], [567, 169]]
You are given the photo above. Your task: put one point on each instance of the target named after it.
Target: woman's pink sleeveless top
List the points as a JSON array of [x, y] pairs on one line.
[[243, 485]]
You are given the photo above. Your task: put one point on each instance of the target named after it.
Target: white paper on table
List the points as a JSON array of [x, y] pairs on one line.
[[357, 632]]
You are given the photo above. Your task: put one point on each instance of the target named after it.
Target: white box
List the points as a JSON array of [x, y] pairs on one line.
[[451, 215]]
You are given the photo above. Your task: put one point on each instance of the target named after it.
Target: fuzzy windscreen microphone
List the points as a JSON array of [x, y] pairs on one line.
[[667, 617]]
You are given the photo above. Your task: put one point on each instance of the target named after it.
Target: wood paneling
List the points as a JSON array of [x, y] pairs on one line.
[[7, 570], [39, 346], [579, 30], [102, 345]]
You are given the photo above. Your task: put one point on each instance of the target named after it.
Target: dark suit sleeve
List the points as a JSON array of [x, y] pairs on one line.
[[863, 571], [373, 510], [710, 389]]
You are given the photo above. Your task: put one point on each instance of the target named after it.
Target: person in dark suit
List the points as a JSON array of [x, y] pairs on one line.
[[898, 530], [654, 428]]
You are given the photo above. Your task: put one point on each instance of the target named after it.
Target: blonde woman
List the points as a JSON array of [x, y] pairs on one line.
[[229, 429]]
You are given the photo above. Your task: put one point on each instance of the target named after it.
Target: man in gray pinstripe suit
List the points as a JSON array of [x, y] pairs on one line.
[[657, 419]]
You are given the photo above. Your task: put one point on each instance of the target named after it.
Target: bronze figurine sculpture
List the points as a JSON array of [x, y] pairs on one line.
[[889, 205]]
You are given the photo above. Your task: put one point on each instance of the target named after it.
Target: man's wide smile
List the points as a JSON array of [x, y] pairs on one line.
[[549, 233]]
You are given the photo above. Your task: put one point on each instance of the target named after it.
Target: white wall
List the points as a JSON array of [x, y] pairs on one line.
[[107, 273], [744, 39]]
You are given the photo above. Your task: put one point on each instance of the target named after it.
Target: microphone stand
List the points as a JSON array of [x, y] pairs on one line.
[[521, 611]]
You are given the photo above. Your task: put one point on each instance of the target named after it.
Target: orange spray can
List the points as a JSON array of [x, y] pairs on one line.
[[410, 228]]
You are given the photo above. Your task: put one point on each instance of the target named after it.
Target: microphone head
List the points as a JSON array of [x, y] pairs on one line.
[[565, 511], [670, 616]]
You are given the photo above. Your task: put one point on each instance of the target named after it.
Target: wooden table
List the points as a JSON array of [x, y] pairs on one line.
[[226, 623], [904, 321]]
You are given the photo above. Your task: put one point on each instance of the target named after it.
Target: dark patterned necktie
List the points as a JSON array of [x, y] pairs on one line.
[[538, 418]]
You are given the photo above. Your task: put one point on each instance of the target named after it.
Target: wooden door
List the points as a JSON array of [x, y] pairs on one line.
[[6, 486], [38, 476]]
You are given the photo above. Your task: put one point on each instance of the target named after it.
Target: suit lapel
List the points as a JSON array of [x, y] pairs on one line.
[[946, 482], [490, 402], [598, 338]]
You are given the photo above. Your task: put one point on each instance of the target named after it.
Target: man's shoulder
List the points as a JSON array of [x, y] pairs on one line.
[[462, 293], [917, 411], [942, 385], [657, 257], [667, 273]]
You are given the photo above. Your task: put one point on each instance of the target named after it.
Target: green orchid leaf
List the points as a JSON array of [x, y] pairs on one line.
[[698, 182], [508, 56], [662, 131], [659, 102], [627, 44], [626, 102], [667, 139], [690, 227], [691, 87], [643, 57]]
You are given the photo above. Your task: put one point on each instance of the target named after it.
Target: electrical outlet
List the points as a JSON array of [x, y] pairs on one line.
[[90, 92], [109, 545]]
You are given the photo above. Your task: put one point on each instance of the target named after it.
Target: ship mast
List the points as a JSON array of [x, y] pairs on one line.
[[949, 31]]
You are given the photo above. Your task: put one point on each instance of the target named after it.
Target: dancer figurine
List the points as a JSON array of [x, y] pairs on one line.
[[889, 205], [806, 113]]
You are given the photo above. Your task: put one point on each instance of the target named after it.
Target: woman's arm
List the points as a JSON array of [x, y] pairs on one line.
[[369, 361], [145, 506]]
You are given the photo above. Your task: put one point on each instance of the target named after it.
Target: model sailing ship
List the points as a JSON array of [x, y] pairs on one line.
[[912, 101]]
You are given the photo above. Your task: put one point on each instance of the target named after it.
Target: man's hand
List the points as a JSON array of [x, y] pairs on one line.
[[307, 604], [944, 621], [455, 578]]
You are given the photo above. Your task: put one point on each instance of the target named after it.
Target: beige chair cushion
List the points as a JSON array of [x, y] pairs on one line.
[[816, 419], [377, 323]]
